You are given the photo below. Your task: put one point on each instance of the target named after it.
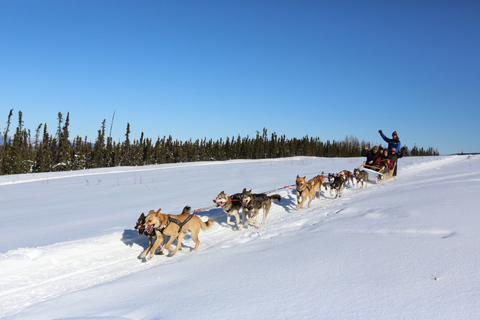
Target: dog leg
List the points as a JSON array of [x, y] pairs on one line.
[[195, 239], [164, 241], [254, 222], [300, 205], [179, 244], [255, 213], [245, 216], [168, 244], [266, 209], [237, 217], [228, 219], [159, 241], [150, 242], [311, 196]]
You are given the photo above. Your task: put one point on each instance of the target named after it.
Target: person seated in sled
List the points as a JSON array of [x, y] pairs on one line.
[[384, 163], [371, 154], [395, 156]]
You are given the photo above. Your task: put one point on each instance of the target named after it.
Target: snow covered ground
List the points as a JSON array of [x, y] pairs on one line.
[[407, 249]]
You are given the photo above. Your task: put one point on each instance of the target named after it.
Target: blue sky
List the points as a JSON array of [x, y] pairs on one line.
[[217, 69]]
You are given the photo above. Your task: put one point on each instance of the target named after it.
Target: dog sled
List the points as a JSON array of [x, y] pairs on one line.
[[381, 174]]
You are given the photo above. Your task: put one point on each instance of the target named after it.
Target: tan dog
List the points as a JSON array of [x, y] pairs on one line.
[[323, 182], [175, 227], [154, 235], [309, 189]]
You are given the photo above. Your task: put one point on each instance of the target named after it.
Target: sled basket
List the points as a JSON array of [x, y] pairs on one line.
[[381, 175]]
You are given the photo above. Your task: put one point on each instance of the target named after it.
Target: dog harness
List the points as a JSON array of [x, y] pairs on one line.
[[177, 222], [307, 187], [222, 204]]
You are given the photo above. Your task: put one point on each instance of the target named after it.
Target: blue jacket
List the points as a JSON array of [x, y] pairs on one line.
[[392, 143]]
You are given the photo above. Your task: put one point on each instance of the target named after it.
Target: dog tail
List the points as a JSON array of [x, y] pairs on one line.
[[275, 197], [208, 224]]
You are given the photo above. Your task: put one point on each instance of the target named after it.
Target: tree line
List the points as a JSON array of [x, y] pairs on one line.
[[44, 152]]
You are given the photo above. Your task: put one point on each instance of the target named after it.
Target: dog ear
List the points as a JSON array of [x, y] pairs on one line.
[[142, 216]]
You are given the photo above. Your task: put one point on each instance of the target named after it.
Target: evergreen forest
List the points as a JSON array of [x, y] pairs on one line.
[[23, 151]]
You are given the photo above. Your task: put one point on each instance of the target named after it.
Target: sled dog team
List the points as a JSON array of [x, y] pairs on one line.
[[158, 226]]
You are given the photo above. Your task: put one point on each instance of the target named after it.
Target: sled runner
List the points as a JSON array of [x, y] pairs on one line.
[[381, 174]]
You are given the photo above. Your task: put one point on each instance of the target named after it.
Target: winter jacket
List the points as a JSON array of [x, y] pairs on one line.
[[370, 156], [397, 155], [392, 143]]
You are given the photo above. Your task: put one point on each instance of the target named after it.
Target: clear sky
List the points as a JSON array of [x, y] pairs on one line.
[[217, 69]]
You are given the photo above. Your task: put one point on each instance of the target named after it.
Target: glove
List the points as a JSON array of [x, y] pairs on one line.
[[380, 131]]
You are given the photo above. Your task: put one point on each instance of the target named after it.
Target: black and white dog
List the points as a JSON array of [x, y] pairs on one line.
[[361, 176], [337, 183]]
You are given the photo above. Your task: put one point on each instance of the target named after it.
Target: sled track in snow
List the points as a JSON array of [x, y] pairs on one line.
[[54, 270], [47, 272]]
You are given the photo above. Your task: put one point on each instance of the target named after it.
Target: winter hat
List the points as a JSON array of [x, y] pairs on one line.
[[393, 149], [375, 148], [394, 133]]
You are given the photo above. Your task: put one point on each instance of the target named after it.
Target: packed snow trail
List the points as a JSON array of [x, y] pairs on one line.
[[32, 275]]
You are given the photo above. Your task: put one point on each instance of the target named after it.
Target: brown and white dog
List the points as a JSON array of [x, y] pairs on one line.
[[175, 227], [231, 205], [346, 175], [253, 202]]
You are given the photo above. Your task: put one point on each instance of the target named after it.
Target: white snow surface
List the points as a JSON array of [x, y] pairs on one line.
[[406, 249]]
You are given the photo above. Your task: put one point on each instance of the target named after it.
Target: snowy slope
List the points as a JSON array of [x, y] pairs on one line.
[[405, 249]]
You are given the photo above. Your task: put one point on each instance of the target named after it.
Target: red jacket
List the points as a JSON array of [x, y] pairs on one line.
[[383, 157]]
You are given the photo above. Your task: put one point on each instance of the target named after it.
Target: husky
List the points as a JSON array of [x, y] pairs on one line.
[[152, 236], [175, 227], [347, 176], [231, 205], [309, 189], [255, 202], [337, 183], [361, 176]]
